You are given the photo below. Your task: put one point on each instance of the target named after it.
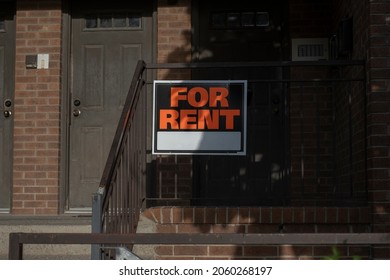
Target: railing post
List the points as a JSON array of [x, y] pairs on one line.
[[97, 200], [15, 248]]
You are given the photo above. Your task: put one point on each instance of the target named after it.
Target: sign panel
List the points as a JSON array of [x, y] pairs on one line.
[[199, 117]]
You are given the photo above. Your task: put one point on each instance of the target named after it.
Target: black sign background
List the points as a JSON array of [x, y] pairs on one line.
[[236, 100]]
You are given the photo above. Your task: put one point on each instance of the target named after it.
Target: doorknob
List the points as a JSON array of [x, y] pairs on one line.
[[7, 113], [76, 112]]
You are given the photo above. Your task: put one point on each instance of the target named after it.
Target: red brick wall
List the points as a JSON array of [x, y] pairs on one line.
[[173, 173], [37, 109], [174, 36], [258, 220]]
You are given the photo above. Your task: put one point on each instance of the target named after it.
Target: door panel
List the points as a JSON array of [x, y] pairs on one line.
[[106, 46], [93, 75], [7, 46], [259, 177]]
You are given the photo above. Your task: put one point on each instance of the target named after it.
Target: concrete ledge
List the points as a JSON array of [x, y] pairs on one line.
[[45, 224]]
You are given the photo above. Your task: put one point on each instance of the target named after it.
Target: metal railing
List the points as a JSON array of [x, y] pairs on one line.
[[18, 240], [338, 136], [117, 203]]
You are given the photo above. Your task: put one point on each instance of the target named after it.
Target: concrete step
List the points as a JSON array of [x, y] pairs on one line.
[[61, 224]]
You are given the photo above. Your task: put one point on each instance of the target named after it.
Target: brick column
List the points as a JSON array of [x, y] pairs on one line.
[[378, 117], [174, 45], [378, 120], [37, 109], [174, 35]]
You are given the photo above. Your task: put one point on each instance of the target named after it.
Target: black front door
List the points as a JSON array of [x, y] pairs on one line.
[[245, 31]]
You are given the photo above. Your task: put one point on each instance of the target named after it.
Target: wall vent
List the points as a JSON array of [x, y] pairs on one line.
[[309, 49]]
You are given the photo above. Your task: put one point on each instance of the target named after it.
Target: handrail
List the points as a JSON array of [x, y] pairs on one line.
[[18, 239], [132, 96], [102, 198]]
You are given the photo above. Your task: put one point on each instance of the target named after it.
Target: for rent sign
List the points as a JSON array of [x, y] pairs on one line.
[[199, 117]]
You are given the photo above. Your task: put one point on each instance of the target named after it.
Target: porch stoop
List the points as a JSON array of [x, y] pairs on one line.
[[55, 224]]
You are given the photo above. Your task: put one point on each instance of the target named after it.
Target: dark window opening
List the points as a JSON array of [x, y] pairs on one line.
[[233, 20], [113, 21]]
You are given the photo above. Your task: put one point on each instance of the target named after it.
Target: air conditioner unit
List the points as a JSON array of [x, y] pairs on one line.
[[309, 49]]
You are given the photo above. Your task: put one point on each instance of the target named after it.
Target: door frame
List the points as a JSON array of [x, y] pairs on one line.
[[65, 109], [10, 52]]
